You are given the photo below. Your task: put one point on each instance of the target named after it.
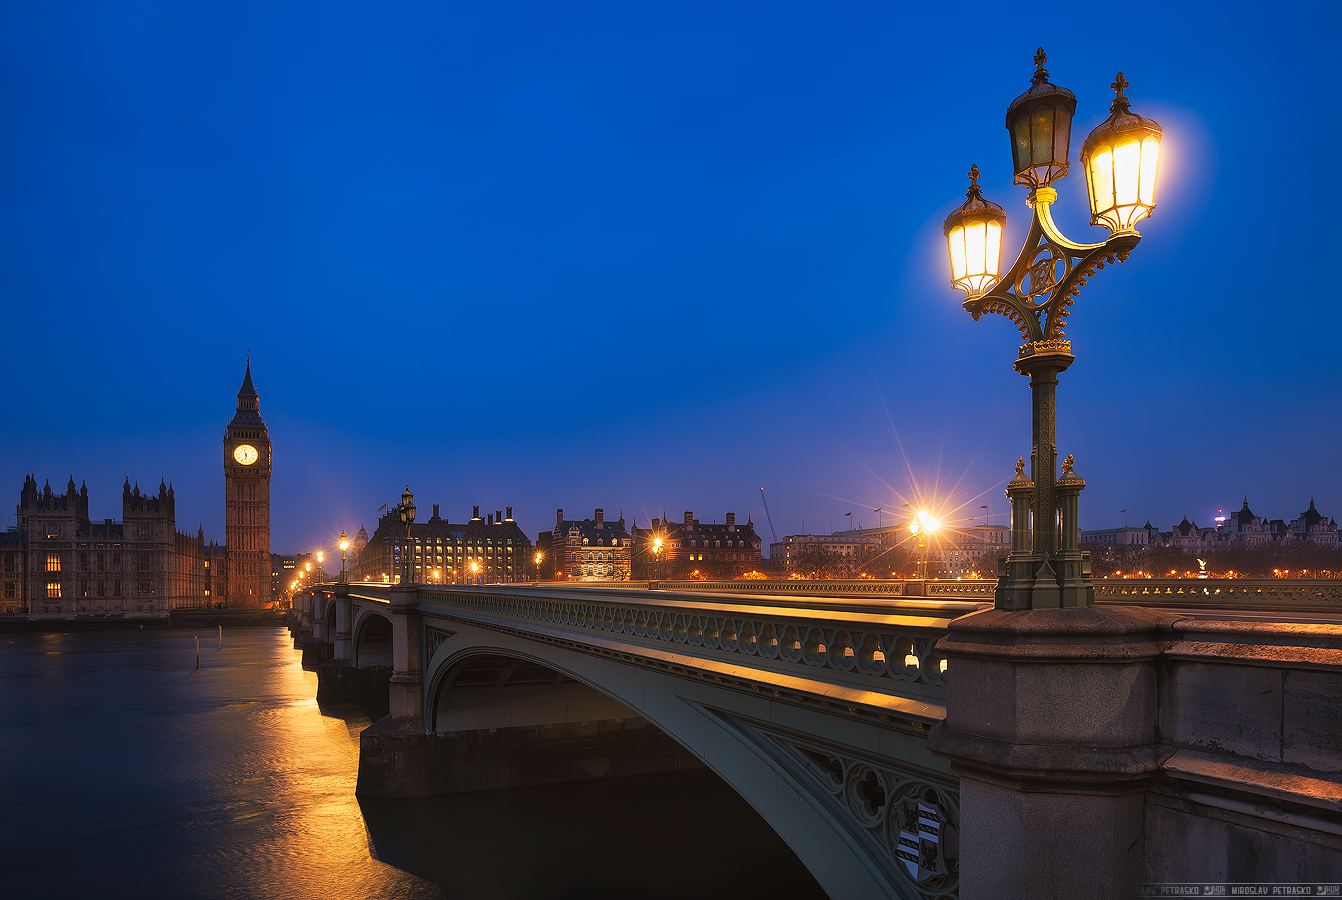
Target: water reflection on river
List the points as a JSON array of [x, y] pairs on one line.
[[125, 772]]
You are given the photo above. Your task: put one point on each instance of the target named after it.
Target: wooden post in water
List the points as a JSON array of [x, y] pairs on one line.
[[221, 639], [197, 653]]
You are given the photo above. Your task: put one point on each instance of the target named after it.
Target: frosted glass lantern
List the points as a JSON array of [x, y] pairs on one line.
[[1120, 158], [974, 238], [1040, 124]]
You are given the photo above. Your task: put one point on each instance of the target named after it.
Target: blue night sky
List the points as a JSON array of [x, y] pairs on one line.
[[648, 256]]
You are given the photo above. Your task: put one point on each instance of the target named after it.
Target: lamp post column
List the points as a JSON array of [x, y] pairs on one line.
[[1043, 364], [1042, 361]]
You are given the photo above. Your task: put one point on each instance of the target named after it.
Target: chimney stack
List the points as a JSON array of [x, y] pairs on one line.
[[559, 519], [689, 517], [435, 510], [475, 514], [600, 518], [731, 520], [498, 516], [490, 520], [655, 523], [510, 512]]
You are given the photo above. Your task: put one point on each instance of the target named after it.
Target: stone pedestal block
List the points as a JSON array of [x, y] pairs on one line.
[[394, 759], [1051, 725], [339, 682], [315, 652]]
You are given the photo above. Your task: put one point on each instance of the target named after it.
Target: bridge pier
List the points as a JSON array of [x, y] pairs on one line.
[[316, 647], [394, 751], [300, 621], [338, 679]]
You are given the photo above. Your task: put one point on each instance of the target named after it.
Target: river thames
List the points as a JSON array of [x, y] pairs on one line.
[[127, 772]]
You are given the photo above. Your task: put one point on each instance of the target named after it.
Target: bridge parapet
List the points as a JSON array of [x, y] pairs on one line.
[[1253, 714], [975, 589], [852, 651], [1234, 591]]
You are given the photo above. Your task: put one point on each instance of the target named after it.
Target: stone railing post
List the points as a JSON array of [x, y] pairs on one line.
[[1051, 725]]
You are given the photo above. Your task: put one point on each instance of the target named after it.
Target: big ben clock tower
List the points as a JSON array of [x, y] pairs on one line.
[[247, 501]]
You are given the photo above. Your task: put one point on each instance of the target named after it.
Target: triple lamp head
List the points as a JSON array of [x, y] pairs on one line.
[[1119, 159], [923, 523]]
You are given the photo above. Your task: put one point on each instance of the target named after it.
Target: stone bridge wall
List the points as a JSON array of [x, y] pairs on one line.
[[1095, 749]]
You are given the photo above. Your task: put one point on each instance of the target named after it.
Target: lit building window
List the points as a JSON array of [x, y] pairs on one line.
[[54, 589], [54, 563]]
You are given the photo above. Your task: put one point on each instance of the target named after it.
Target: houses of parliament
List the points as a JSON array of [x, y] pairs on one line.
[[58, 562]]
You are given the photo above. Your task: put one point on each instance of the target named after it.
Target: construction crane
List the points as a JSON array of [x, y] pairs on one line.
[[772, 530]]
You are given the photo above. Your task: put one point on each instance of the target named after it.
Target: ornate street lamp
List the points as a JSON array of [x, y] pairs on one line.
[[1119, 159], [405, 511], [921, 526], [344, 545], [320, 557]]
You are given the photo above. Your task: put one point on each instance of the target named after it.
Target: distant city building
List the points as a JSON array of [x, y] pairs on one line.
[[591, 549], [958, 552], [1312, 525], [247, 462], [1126, 537], [1243, 526], [490, 550], [690, 544], [951, 552], [57, 561], [844, 544], [60, 563], [1245, 529], [13, 573], [282, 573]]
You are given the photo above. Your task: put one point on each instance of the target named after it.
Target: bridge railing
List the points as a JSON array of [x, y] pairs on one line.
[[976, 589], [845, 651], [1310, 592], [1283, 592]]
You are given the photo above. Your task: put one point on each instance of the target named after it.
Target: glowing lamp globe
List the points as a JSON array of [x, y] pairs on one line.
[[1040, 124], [1120, 158], [974, 238]]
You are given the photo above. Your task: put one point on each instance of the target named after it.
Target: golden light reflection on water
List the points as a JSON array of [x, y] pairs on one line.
[[158, 779], [318, 845]]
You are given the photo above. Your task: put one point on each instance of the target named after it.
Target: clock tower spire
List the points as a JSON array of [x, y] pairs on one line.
[[247, 501]]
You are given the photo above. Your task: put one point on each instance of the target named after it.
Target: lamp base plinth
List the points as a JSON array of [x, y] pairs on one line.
[[1039, 581]]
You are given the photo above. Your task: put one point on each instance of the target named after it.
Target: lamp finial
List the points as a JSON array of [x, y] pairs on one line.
[[1020, 465], [1121, 103], [974, 192], [1040, 73]]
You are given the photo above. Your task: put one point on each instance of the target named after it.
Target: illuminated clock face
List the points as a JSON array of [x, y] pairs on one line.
[[245, 454]]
